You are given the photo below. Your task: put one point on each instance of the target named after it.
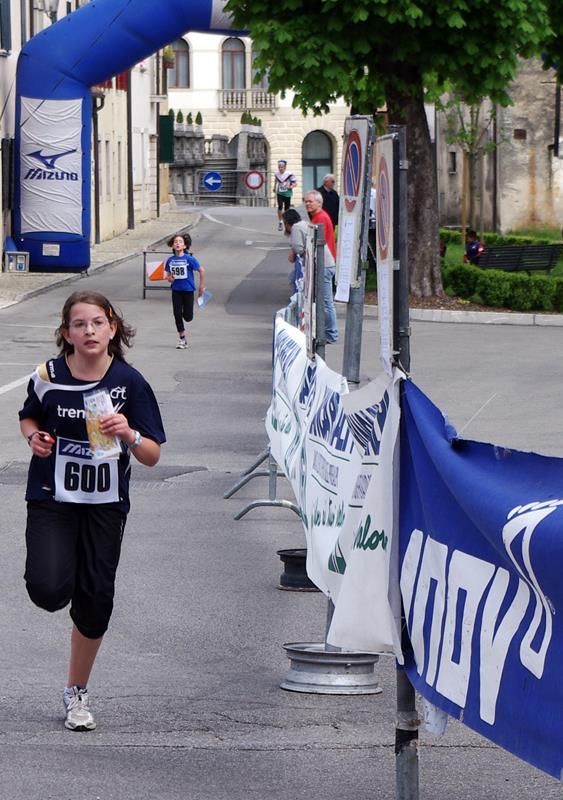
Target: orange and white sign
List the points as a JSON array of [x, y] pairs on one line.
[[155, 271]]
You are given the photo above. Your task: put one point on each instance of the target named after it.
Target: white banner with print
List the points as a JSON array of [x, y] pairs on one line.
[[51, 166], [367, 606], [336, 450]]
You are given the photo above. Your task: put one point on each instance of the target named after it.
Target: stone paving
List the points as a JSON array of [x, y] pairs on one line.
[[15, 287]]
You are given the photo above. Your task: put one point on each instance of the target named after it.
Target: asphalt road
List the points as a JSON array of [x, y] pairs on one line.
[[186, 688]]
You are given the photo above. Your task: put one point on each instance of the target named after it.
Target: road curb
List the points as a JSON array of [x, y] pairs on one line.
[[476, 317]]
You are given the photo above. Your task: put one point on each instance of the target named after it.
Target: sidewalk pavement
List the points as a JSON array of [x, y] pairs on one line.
[[15, 287]]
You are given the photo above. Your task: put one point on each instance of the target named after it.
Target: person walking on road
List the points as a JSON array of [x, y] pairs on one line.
[[77, 498], [331, 200], [179, 270], [314, 206], [284, 183]]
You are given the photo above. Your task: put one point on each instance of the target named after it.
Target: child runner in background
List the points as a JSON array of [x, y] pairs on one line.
[[77, 505], [179, 271]]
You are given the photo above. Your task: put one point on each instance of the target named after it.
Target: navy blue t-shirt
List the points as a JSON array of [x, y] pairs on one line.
[[71, 474], [182, 270]]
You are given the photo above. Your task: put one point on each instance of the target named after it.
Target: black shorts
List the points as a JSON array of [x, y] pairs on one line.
[[72, 556], [283, 202]]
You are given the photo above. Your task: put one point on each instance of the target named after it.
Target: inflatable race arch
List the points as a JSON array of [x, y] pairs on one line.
[[56, 69]]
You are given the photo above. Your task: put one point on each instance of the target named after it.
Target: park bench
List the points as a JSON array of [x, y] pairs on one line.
[[521, 257]]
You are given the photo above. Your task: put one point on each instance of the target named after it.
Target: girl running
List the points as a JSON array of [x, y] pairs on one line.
[[77, 504], [179, 271]]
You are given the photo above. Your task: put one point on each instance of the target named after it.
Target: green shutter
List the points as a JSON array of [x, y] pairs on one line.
[[166, 139]]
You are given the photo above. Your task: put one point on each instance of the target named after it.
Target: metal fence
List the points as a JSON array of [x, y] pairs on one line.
[[249, 187]]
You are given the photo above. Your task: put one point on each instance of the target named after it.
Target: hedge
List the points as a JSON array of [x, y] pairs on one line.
[[493, 239], [514, 290]]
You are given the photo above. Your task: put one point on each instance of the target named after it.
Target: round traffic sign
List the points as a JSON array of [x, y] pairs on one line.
[[212, 181], [352, 170], [383, 214], [253, 179]]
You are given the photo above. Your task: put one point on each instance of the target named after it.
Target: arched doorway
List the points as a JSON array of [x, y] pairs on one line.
[[317, 159]]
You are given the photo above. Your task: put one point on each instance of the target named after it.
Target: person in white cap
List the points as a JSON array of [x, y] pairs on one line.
[[284, 183]]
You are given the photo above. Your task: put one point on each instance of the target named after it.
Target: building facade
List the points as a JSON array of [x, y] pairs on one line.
[[214, 75], [519, 176]]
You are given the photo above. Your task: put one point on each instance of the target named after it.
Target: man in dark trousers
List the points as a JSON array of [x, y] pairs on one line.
[[331, 200]]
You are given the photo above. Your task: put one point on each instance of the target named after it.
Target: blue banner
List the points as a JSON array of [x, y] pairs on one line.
[[481, 555]]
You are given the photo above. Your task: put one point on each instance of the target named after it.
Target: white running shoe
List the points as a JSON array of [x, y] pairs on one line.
[[280, 226], [182, 344], [78, 714]]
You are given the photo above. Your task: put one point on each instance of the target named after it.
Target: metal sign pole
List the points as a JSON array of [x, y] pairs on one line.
[[406, 730]]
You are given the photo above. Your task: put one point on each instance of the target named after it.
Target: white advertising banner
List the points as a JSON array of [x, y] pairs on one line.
[[337, 451], [51, 166], [284, 422], [367, 606]]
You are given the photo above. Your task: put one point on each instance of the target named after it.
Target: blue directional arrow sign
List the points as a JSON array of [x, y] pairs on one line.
[[212, 181]]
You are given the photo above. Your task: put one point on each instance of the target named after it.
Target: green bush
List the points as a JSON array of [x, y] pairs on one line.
[[493, 287], [557, 294], [461, 279], [521, 299], [371, 281], [498, 239], [171, 113], [179, 116], [190, 119], [542, 290], [451, 237], [532, 293], [491, 239], [198, 118]]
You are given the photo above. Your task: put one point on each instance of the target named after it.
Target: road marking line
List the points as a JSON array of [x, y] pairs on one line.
[[238, 227], [14, 384], [22, 325]]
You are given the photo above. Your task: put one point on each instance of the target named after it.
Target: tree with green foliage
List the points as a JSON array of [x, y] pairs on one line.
[[198, 118], [180, 116], [376, 54]]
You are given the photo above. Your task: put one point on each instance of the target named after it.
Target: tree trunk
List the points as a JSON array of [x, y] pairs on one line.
[[424, 246], [464, 192], [472, 189]]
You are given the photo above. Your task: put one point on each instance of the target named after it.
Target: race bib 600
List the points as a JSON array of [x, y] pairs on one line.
[[81, 479]]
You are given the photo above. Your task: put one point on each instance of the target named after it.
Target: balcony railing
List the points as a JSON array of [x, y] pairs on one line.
[[246, 99]]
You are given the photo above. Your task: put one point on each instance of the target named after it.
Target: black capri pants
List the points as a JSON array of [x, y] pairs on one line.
[[183, 308], [283, 202], [72, 555]]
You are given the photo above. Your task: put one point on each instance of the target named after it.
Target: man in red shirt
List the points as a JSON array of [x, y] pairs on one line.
[[314, 206], [318, 216]]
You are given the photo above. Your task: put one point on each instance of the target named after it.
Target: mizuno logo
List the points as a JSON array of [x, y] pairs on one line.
[[50, 161], [76, 449]]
